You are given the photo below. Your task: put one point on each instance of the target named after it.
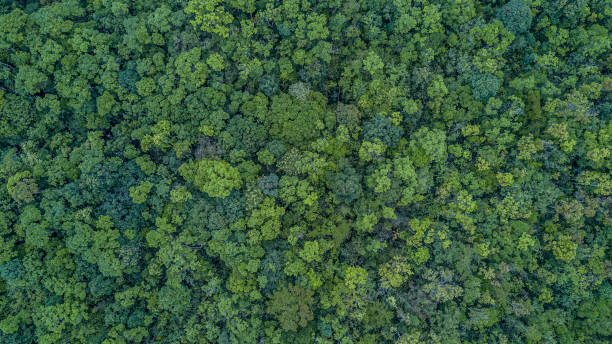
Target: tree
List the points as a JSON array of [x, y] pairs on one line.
[[346, 186], [22, 187], [516, 16], [139, 193], [395, 272], [310, 252], [382, 129], [301, 171], [35, 227], [484, 86], [355, 276], [564, 248], [210, 16], [428, 146], [180, 194], [291, 306], [216, 178], [372, 63]]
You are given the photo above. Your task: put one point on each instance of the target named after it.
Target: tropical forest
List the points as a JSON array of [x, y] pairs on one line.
[[305, 171]]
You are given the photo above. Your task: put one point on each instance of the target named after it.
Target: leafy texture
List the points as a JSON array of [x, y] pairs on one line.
[[305, 172]]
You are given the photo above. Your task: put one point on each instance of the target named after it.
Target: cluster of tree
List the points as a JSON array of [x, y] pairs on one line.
[[300, 171]]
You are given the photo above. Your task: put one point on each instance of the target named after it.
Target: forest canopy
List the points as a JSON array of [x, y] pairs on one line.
[[301, 171]]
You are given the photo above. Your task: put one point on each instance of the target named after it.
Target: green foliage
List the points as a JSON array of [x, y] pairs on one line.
[[180, 194], [484, 86], [22, 187], [139, 193], [372, 63], [299, 171], [564, 248], [216, 178], [269, 185], [311, 251], [395, 272], [291, 306], [382, 129], [515, 15], [210, 16], [355, 276], [428, 146], [346, 186]]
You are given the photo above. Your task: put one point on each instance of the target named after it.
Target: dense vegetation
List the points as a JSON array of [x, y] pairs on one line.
[[301, 171]]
